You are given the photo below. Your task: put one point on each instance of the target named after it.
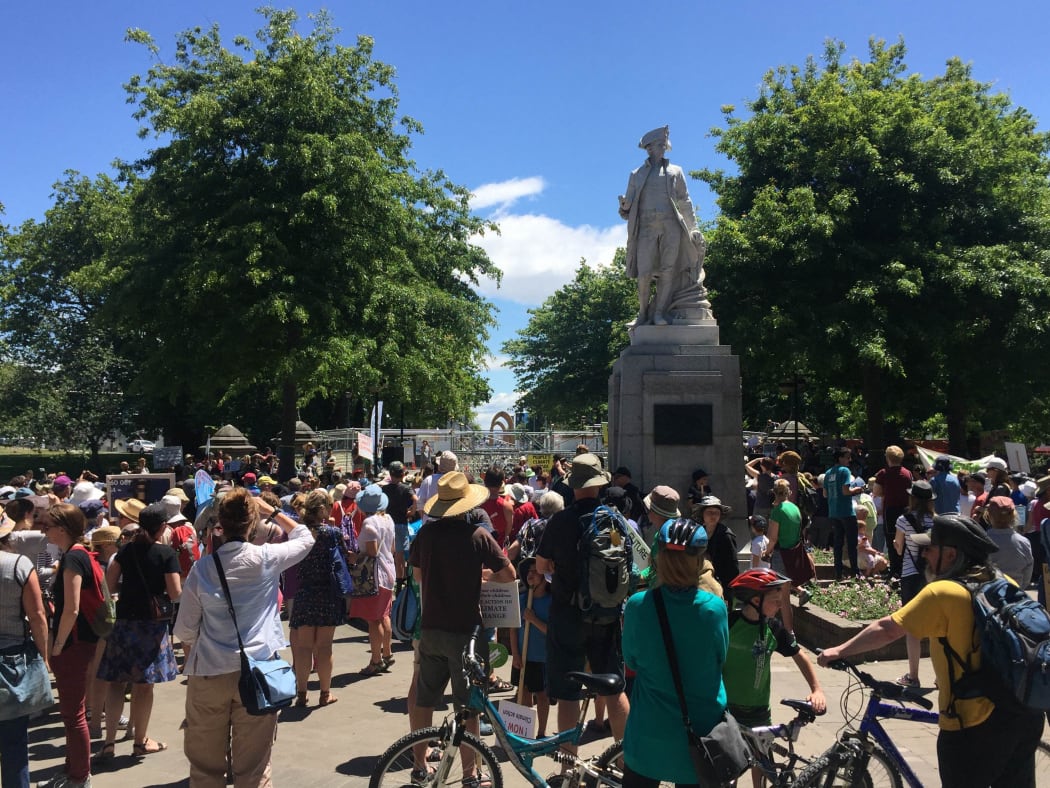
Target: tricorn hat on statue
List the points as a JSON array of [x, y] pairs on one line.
[[662, 134]]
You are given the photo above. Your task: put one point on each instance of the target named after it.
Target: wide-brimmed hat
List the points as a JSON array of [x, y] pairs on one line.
[[179, 493], [372, 499], [587, 471], [455, 496], [663, 501], [711, 502], [129, 507], [519, 492], [922, 490], [996, 462], [7, 525], [85, 491], [1042, 485], [447, 462], [107, 534], [962, 533]]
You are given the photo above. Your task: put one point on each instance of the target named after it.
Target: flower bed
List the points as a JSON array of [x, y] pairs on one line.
[[857, 600]]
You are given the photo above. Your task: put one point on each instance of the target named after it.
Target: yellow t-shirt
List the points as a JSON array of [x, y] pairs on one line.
[[944, 608]]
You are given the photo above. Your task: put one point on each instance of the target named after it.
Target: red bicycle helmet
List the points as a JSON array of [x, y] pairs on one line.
[[756, 581]]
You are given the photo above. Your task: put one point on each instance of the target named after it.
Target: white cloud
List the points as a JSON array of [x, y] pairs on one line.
[[494, 362], [504, 194], [538, 254]]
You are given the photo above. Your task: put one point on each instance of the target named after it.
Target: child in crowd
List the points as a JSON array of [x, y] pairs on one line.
[[872, 562], [533, 670], [755, 633], [759, 542]]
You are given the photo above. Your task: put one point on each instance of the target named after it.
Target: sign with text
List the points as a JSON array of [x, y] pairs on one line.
[[147, 487], [519, 720], [545, 461], [166, 457], [499, 605], [364, 447], [1017, 456]]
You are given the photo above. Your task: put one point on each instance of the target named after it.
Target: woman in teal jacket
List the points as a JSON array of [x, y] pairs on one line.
[[655, 745]]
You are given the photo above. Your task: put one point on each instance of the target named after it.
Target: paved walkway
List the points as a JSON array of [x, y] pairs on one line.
[[337, 745]]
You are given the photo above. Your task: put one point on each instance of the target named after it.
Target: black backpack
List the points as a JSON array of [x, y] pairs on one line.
[[529, 537]]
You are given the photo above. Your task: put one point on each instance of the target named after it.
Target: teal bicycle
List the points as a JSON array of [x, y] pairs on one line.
[[458, 758]]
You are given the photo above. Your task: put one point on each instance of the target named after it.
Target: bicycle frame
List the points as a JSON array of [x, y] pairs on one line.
[[870, 726], [762, 742]]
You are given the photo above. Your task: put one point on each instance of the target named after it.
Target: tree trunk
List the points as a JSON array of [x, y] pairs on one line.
[[286, 450], [874, 437], [955, 415]]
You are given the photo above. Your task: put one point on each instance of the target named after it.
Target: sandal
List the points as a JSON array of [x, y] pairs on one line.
[[434, 754], [388, 661], [499, 685], [372, 669], [327, 699], [477, 781], [907, 681], [145, 749], [106, 754], [300, 699], [422, 775]]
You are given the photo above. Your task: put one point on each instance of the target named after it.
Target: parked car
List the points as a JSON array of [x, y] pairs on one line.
[[140, 446]]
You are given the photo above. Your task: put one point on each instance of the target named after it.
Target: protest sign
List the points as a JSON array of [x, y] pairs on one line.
[[544, 461], [499, 605], [147, 487], [519, 720], [166, 457]]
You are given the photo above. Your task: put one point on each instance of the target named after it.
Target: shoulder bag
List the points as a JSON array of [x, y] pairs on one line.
[[161, 607], [722, 755], [266, 685], [363, 575], [25, 687]]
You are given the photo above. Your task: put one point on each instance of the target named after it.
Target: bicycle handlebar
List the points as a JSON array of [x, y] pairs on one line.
[[884, 689]]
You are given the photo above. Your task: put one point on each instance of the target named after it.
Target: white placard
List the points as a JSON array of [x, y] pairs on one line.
[[499, 605], [364, 447], [519, 720], [1017, 457]]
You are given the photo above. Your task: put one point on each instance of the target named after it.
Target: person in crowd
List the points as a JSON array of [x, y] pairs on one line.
[[762, 470], [319, 605], [532, 670], [138, 650], [981, 743], [621, 477], [840, 496], [997, 483], [916, 519], [72, 640], [755, 633], [213, 704], [759, 542], [104, 543], [402, 509], [891, 484], [1014, 556], [661, 505], [21, 604], [654, 745], [569, 642], [446, 462], [721, 541], [945, 486], [1038, 511], [377, 540], [450, 556], [785, 536], [527, 538], [524, 509], [498, 506], [790, 466], [699, 488], [872, 562]]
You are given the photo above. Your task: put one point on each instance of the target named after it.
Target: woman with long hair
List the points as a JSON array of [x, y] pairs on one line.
[[917, 519], [138, 650], [376, 540], [213, 703], [72, 640], [319, 606], [654, 745]]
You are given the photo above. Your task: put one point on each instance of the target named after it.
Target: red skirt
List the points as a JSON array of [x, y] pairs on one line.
[[373, 608]]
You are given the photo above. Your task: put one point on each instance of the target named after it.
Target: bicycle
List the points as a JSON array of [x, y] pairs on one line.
[[761, 741], [849, 761], [467, 762]]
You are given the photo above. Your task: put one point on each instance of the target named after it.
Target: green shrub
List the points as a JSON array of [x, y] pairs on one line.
[[857, 600]]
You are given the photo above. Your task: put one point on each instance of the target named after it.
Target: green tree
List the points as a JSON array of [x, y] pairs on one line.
[[287, 247], [563, 357], [886, 235], [67, 377]]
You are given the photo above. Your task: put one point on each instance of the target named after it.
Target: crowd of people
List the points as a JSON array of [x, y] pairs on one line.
[[196, 583]]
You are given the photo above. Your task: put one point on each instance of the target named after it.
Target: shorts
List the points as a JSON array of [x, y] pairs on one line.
[[910, 586], [535, 676], [441, 660], [573, 643], [401, 538]]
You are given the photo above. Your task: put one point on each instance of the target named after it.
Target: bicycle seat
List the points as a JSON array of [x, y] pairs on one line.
[[802, 707], [598, 683]]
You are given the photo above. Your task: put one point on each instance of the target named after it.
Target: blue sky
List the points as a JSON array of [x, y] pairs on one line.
[[536, 107]]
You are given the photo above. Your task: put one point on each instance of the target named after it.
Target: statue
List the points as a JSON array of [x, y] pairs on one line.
[[663, 241]]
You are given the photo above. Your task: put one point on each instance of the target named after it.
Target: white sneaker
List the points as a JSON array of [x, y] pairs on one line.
[[61, 780]]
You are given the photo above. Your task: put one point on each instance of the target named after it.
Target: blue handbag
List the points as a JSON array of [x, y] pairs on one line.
[[25, 687], [266, 685]]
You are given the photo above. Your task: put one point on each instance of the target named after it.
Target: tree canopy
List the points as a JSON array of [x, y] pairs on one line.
[[886, 236], [563, 357]]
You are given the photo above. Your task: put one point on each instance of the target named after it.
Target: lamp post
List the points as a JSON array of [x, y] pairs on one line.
[[792, 387]]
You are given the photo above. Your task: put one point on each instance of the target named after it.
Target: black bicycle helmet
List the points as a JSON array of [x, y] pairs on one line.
[[683, 535]]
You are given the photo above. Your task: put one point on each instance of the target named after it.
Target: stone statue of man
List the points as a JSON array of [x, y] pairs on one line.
[[663, 242]]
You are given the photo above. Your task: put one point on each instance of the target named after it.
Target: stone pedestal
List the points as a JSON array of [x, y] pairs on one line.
[[674, 406]]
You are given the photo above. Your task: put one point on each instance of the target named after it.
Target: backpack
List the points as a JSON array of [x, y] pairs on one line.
[[184, 542], [529, 537], [606, 565], [1013, 633], [808, 501], [405, 613], [97, 607]]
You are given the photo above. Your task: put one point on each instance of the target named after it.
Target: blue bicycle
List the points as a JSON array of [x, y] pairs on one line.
[[451, 756]]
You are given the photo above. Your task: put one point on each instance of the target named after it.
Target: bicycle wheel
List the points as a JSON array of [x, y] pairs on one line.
[[395, 766], [610, 770], [1042, 764], [880, 772]]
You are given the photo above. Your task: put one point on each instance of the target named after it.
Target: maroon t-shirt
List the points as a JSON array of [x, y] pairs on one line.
[[451, 554], [895, 481]]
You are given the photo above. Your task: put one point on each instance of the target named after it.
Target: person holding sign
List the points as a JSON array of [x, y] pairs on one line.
[[529, 648]]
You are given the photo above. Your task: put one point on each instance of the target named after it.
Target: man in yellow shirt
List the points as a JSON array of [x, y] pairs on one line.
[[981, 743]]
